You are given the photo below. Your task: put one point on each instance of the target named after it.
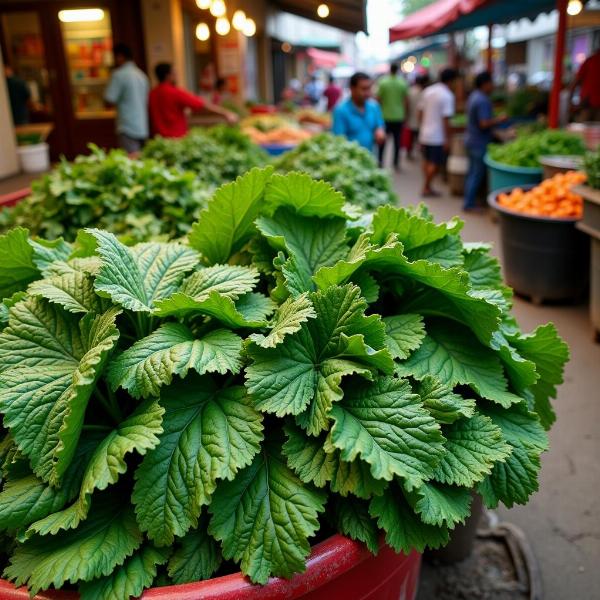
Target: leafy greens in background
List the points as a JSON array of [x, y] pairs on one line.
[[135, 199], [170, 406], [348, 167]]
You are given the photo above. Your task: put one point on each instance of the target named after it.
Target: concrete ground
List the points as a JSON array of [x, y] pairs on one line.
[[561, 521]]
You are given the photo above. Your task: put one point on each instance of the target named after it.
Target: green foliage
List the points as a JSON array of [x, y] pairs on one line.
[[592, 168], [526, 150], [135, 199], [168, 405], [348, 167]]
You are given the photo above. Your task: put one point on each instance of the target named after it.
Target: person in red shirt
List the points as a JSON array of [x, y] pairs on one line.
[[168, 104], [588, 80], [333, 93]]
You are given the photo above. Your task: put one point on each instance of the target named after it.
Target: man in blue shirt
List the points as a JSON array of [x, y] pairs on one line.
[[480, 121], [359, 117]]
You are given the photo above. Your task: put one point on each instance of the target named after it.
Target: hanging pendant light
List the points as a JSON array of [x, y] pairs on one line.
[[249, 28], [218, 8], [323, 11], [222, 26], [574, 7], [203, 4], [202, 32], [238, 20]]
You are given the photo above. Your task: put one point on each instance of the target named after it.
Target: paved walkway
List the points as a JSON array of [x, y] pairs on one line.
[[562, 521]]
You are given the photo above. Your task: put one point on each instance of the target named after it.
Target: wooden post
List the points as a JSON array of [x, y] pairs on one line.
[[559, 57], [490, 51]]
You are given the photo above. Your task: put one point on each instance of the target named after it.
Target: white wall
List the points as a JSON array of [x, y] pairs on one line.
[[9, 164]]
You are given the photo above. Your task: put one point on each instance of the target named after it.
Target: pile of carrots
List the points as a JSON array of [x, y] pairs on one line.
[[552, 198]]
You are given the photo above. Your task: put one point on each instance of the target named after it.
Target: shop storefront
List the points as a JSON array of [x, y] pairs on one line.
[[63, 51]]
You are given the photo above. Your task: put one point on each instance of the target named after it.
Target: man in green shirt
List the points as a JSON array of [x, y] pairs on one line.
[[393, 97]]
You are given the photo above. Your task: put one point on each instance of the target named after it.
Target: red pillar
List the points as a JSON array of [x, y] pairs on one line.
[[490, 51], [559, 57]]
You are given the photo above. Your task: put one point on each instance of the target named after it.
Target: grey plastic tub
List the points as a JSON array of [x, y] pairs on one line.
[[545, 259]]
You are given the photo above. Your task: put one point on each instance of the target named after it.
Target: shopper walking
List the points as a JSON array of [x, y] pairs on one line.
[[332, 93], [392, 93], [127, 90], [480, 121], [359, 117], [588, 82], [415, 93], [168, 105], [437, 106]]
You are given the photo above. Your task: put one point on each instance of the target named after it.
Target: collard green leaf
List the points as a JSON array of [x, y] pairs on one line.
[[404, 333], [225, 225], [404, 530], [351, 517], [288, 319], [441, 505], [452, 354], [73, 291], [231, 281], [483, 269], [128, 580], [137, 277], [265, 517], [442, 403], [473, 446], [446, 252], [45, 253], [306, 455], [94, 549], [197, 556], [387, 426], [209, 434], [172, 350], [17, 268], [52, 363]]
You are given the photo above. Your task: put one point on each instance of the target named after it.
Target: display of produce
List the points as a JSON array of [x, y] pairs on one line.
[[527, 102], [174, 408], [592, 168], [274, 129], [526, 150], [551, 198], [348, 167], [135, 199], [217, 155]]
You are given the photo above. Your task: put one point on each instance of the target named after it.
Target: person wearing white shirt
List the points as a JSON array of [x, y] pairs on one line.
[[436, 108], [414, 102]]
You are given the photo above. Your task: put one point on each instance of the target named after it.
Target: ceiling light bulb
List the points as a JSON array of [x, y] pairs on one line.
[[323, 11], [222, 26], [202, 32], [249, 28], [217, 8], [80, 15], [203, 4], [239, 20], [574, 7]]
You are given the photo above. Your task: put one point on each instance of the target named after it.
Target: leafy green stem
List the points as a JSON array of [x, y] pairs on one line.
[[110, 404]]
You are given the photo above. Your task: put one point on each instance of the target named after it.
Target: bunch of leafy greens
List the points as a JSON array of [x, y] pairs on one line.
[[348, 167], [217, 155], [135, 199], [526, 150], [167, 406], [592, 168]]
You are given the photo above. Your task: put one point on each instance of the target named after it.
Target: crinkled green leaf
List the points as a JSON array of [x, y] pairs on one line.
[[73, 291], [197, 556], [51, 365], [137, 277], [440, 505], [265, 517], [521, 373], [128, 580], [305, 371], [170, 350], [225, 225], [288, 319], [483, 269], [307, 457], [231, 281], [404, 530], [442, 403], [17, 268], [94, 549], [351, 517], [209, 434], [385, 424], [45, 253], [473, 446], [369, 288], [306, 196], [452, 354], [404, 333], [446, 252]]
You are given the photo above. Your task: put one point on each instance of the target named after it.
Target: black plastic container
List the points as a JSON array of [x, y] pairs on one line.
[[545, 259]]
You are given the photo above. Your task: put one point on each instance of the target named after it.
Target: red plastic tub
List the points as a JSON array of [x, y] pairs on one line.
[[13, 198], [337, 568]]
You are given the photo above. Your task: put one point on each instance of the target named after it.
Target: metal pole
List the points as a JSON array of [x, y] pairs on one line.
[[559, 54], [490, 60]]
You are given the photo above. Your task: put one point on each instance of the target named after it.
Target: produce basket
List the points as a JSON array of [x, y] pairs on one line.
[[508, 176], [551, 165], [545, 259]]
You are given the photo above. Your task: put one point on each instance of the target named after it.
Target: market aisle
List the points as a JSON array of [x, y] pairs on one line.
[[562, 521]]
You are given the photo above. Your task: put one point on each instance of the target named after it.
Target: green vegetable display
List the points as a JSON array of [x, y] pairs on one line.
[[592, 168], [217, 155], [169, 406], [348, 167], [526, 150], [135, 199]]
